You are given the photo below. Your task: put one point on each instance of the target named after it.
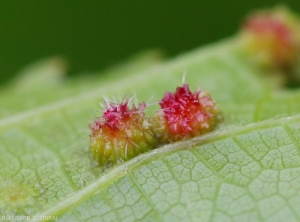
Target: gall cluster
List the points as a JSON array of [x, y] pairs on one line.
[[124, 132]]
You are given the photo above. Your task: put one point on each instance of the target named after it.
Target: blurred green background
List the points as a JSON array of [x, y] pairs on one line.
[[96, 34]]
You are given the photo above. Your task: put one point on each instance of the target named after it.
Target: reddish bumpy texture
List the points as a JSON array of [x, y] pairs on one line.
[[121, 134], [184, 114], [273, 38]]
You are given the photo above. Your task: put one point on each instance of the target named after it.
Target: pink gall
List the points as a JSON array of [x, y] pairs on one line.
[[121, 134], [272, 37], [184, 115]]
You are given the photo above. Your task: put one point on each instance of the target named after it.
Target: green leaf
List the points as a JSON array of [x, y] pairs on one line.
[[248, 169]]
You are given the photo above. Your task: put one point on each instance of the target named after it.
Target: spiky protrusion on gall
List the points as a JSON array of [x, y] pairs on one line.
[[184, 114], [273, 38], [121, 134]]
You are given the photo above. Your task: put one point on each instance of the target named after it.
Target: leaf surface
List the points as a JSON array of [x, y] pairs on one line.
[[245, 170]]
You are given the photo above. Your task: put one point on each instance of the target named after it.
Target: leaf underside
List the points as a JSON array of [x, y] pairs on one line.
[[247, 169]]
